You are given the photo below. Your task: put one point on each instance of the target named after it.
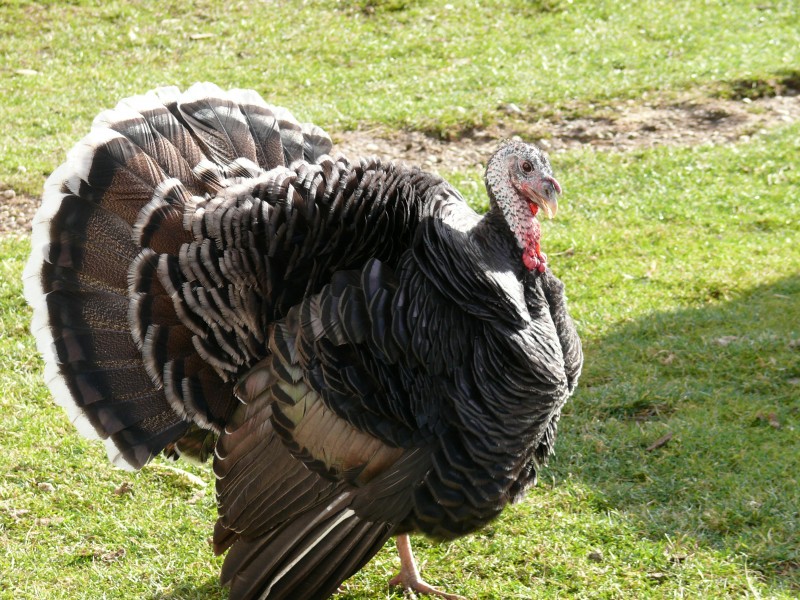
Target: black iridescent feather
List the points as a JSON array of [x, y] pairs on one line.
[[360, 352]]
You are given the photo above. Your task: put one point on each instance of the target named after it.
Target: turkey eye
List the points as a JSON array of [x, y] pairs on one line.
[[526, 166]]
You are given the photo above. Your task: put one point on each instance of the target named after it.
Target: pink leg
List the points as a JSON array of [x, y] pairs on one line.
[[409, 577]]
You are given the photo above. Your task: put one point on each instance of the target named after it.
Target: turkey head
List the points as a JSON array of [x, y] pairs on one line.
[[519, 180]]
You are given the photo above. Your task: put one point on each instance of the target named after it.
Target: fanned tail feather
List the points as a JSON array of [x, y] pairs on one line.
[[76, 282], [127, 186]]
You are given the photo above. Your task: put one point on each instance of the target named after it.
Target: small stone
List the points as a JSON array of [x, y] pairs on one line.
[[371, 147], [678, 558], [198, 495], [9, 194], [512, 108]]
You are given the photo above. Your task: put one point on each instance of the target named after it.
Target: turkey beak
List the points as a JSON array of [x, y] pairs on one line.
[[545, 195]]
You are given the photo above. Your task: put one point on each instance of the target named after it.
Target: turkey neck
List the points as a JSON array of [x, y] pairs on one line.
[[474, 261], [494, 237]]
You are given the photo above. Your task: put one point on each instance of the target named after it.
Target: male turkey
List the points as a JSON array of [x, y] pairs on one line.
[[362, 353]]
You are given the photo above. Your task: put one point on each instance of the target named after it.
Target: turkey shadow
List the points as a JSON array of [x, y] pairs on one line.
[[686, 423], [194, 588]]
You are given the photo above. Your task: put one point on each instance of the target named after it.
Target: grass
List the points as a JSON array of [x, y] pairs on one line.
[[681, 265], [442, 67]]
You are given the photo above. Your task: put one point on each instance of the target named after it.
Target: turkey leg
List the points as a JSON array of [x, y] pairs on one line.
[[409, 576]]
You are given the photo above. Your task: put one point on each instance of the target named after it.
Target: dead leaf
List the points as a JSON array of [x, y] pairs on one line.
[[595, 556], [726, 340], [124, 488], [678, 558], [111, 556], [198, 495], [200, 36], [45, 521], [660, 442], [665, 357], [771, 419]]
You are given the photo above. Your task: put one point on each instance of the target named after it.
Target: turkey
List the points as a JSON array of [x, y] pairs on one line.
[[362, 355]]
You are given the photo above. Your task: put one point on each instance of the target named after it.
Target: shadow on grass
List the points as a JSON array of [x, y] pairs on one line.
[[194, 589], [689, 423]]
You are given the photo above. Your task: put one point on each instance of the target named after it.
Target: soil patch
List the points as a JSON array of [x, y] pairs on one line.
[[617, 127], [16, 212], [621, 126]]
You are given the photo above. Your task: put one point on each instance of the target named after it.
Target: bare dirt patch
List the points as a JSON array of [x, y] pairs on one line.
[[16, 212], [616, 127], [621, 127]]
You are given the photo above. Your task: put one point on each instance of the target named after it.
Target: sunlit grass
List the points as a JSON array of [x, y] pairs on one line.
[[681, 264], [704, 346], [436, 66]]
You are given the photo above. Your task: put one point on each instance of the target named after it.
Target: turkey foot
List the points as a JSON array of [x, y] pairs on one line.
[[409, 577]]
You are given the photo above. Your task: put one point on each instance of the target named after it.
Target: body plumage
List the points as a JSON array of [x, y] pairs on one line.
[[363, 354]]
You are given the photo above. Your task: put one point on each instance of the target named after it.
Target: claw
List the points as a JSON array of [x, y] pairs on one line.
[[409, 577]]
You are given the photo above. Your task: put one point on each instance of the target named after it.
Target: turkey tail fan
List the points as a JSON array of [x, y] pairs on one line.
[[239, 124], [219, 125], [76, 280], [307, 557], [280, 138], [316, 143], [117, 355]]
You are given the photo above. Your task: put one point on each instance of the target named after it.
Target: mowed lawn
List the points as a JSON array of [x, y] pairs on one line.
[[676, 473]]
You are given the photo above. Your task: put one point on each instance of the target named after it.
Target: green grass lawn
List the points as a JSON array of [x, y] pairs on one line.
[[681, 264], [424, 64]]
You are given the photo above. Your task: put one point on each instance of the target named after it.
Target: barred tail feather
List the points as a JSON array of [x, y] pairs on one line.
[[76, 282], [115, 218]]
